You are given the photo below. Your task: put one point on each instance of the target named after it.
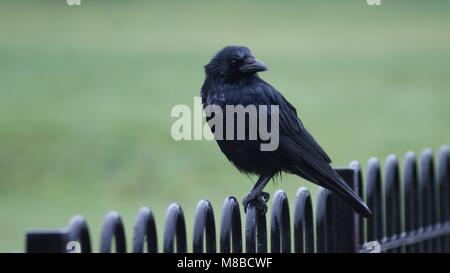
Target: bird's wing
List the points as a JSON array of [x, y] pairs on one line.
[[291, 126], [308, 158]]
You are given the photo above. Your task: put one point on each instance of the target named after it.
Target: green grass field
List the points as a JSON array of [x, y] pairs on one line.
[[86, 94]]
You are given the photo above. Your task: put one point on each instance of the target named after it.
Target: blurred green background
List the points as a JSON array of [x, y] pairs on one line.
[[86, 94]]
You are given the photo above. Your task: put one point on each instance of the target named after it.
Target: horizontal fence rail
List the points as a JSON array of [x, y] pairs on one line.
[[410, 208]]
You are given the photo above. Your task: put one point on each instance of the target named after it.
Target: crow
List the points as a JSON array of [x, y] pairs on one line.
[[232, 79]]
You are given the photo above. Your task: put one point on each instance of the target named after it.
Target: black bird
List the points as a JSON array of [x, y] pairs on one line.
[[231, 79]]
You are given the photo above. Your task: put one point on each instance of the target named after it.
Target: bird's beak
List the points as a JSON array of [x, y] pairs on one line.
[[252, 66]]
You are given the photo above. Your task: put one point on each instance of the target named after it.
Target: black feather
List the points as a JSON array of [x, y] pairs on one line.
[[298, 152]]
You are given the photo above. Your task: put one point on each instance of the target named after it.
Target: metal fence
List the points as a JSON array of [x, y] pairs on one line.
[[410, 214]]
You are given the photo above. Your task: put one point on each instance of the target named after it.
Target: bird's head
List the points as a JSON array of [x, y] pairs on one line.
[[234, 62]]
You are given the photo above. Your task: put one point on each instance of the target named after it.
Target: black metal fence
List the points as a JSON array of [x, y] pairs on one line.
[[410, 214]]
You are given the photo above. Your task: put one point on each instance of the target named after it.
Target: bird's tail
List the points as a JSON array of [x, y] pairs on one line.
[[331, 180]]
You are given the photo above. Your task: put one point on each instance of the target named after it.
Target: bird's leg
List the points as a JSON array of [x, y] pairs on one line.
[[257, 197]]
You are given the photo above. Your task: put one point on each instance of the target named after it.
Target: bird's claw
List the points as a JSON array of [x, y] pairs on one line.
[[259, 202]]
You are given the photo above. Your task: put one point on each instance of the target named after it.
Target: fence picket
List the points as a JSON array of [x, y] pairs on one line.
[[375, 223], [204, 228], [280, 224], [303, 222], [392, 201], [145, 232], [444, 197], [175, 228], [411, 200], [230, 227]]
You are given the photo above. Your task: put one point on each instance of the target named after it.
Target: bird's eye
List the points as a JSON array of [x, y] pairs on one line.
[[233, 61]]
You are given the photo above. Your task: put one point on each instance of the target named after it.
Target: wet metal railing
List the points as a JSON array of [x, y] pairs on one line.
[[410, 214]]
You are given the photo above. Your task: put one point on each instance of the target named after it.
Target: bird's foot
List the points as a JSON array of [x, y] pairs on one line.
[[258, 201]]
